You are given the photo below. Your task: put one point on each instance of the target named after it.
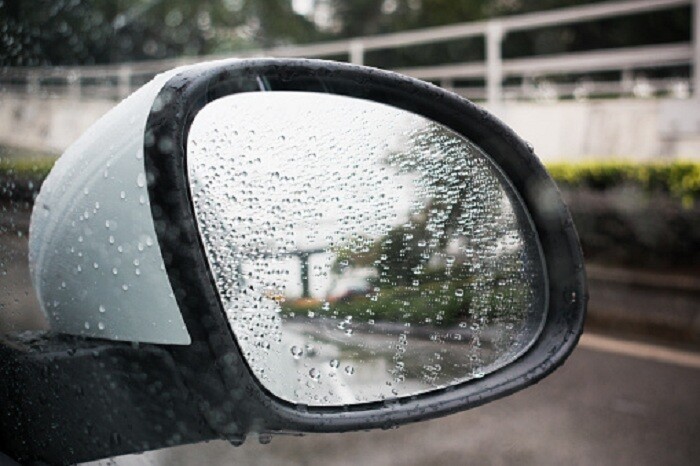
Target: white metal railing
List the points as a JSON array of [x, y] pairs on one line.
[[115, 81]]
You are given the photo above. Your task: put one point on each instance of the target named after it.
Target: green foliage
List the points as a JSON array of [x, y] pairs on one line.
[[417, 305], [75, 32], [82, 32], [23, 164], [681, 179], [440, 303]]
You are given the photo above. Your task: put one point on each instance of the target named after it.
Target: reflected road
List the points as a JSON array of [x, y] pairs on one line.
[[383, 359]]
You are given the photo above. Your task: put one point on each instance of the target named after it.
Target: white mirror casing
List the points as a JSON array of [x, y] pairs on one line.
[[94, 257]]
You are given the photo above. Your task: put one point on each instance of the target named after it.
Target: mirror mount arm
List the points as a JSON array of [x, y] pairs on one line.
[[69, 399]]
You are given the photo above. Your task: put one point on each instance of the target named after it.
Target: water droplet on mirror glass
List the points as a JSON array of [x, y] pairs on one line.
[[297, 352]]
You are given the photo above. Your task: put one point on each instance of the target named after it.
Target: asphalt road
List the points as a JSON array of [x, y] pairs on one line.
[[612, 403]]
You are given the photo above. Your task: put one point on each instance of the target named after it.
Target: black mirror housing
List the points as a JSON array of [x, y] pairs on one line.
[[206, 390]]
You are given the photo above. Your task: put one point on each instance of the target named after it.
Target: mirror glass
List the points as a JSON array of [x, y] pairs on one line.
[[361, 252]]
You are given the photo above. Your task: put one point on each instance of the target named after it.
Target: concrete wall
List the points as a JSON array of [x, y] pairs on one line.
[[623, 128], [569, 130], [50, 124]]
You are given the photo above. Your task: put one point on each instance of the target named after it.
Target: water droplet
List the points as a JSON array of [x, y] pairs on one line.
[[297, 352]]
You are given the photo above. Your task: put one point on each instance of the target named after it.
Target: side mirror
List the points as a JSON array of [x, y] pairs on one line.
[[273, 245]]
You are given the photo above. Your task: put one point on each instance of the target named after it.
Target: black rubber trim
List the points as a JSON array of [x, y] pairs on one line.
[[229, 395], [68, 399]]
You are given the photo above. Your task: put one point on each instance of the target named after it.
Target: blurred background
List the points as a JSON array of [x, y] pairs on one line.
[[607, 93]]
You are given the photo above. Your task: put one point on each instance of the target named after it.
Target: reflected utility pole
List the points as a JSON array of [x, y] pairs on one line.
[[304, 257]]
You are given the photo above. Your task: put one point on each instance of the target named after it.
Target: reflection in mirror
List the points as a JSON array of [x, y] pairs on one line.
[[361, 252]]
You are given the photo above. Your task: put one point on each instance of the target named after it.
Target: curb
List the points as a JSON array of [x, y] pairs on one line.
[[642, 303]]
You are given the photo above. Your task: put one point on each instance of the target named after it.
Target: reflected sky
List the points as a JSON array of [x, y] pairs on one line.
[[361, 252]]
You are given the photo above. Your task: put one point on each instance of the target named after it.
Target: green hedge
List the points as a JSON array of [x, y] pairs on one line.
[[25, 164], [614, 225], [22, 172], [681, 179], [35, 168]]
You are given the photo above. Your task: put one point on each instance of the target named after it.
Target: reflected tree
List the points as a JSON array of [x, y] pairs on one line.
[[459, 256]]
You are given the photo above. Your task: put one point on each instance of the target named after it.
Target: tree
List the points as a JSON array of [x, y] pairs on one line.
[[74, 32], [365, 17], [71, 32]]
